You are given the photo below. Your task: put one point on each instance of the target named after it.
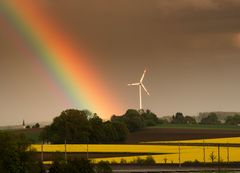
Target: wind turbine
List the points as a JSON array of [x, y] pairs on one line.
[[140, 85]]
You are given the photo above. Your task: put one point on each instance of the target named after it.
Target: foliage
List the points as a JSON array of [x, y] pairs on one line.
[[72, 166], [233, 120], [123, 161], [81, 126], [162, 121], [190, 120], [210, 119], [147, 161], [178, 118], [150, 118], [136, 120], [103, 167], [212, 156], [133, 120], [165, 160], [37, 125], [14, 157]]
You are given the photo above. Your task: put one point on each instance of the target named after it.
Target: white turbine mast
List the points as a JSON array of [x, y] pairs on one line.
[[140, 85]]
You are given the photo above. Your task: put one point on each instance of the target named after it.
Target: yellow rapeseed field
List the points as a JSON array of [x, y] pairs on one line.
[[168, 153]]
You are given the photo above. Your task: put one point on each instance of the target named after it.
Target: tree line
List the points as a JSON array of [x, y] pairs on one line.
[[210, 119], [82, 126]]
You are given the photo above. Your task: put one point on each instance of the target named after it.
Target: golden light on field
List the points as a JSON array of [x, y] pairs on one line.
[[160, 153]]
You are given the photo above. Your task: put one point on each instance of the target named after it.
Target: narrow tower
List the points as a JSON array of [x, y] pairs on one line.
[[140, 85]]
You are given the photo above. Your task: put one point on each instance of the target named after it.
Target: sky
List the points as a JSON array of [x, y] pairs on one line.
[[190, 48]]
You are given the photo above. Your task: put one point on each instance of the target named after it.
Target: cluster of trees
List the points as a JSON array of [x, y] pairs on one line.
[[210, 119], [15, 157], [81, 126], [136, 120], [179, 118], [79, 166], [35, 126], [233, 120]]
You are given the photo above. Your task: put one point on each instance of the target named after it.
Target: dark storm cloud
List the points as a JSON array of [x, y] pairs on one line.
[[135, 25]]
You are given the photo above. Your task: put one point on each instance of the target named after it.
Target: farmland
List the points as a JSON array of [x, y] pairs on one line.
[[162, 143], [177, 133], [163, 132], [161, 153]]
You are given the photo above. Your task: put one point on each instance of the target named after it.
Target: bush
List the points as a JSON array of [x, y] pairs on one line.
[[103, 167], [147, 161], [72, 166], [210, 119]]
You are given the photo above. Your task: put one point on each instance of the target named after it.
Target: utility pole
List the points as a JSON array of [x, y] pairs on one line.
[[42, 152], [218, 157], [228, 153], [65, 154], [204, 152], [179, 155], [87, 151]]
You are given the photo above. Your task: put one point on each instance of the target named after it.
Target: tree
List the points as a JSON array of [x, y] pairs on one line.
[[76, 126], [210, 119], [233, 120], [178, 118], [72, 125], [103, 167], [132, 118], [212, 156], [165, 160], [149, 160], [150, 118], [72, 166], [190, 120], [14, 154], [37, 125], [79, 166]]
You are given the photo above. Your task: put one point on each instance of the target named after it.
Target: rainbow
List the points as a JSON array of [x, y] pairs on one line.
[[65, 68]]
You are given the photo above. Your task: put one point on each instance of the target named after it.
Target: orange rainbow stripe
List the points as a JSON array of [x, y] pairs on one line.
[[37, 35]]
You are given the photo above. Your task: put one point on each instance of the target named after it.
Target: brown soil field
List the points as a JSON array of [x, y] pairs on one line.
[[158, 134], [167, 134]]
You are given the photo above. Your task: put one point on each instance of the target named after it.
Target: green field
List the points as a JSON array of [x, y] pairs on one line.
[[198, 126]]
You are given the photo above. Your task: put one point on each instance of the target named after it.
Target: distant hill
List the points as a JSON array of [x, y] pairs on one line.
[[14, 127], [220, 114]]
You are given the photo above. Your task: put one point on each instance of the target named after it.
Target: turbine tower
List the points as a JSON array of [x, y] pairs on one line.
[[140, 85]]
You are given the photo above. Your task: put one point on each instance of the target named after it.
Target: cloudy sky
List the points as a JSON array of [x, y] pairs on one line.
[[190, 48]]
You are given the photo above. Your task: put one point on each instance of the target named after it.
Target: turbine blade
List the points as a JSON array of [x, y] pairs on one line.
[[145, 89], [143, 75], [133, 84]]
